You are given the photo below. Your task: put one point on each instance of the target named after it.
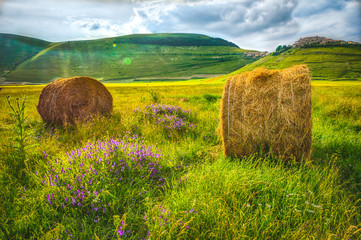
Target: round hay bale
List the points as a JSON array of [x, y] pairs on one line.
[[268, 111], [72, 100]]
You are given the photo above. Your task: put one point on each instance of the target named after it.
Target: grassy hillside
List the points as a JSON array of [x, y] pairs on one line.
[[334, 62], [124, 59], [17, 49]]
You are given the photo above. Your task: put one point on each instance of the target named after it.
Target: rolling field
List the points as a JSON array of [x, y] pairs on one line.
[[122, 59], [155, 169], [331, 63]]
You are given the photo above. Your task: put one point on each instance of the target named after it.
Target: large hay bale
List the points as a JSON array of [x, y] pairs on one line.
[[71, 100], [268, 110]]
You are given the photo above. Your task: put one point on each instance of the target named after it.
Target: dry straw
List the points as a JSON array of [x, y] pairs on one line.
[[71, 100], [269, 111]]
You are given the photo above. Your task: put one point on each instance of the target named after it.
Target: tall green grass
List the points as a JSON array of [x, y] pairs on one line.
[[203, 194]]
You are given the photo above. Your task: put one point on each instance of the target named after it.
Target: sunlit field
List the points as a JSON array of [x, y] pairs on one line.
[[155, 169]]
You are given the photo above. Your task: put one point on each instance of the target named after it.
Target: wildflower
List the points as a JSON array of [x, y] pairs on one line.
[[49, 199]]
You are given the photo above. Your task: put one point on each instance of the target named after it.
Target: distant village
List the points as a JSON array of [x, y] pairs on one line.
[[319, 40], [256, 54], [302, 42]]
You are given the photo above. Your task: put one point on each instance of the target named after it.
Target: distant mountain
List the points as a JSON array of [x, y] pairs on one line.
[[121, 59], [327, 59]]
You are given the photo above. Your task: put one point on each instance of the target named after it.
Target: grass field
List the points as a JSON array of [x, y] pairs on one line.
[[332, 63], [141, 175]]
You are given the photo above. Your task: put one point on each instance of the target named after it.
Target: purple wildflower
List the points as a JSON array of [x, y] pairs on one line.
[[49, 199]]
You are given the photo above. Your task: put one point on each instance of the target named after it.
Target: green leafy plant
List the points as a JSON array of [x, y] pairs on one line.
[[155, 97], [17, 161]]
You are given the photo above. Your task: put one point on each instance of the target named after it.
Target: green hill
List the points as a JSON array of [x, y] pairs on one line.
[[17, 49], [325, 62], [132, 57]]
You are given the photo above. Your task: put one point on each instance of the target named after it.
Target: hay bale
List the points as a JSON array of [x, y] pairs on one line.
[[268, 110], [76, 99]]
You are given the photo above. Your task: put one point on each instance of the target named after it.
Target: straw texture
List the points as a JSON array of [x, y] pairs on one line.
[[268, 110], [71, 100]]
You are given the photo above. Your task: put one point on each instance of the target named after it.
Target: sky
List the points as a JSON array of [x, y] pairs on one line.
[[251, 24]]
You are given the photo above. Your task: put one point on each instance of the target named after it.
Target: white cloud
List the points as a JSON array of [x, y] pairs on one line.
[[341, 24], [147, 13]]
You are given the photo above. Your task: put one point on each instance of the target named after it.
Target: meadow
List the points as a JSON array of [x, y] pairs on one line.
[[155, 169], [325, 62]]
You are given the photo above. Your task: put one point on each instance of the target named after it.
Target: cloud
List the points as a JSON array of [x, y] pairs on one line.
[[237, 20], [342, 20], [55, 20], [92, 27], [252, 24], [1, 3]]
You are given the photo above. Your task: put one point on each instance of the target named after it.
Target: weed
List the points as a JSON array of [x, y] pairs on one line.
[[17, 161], [210, 98], [155, 97]]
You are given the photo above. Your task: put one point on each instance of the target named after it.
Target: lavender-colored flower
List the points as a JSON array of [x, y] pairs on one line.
[[49, 199]]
